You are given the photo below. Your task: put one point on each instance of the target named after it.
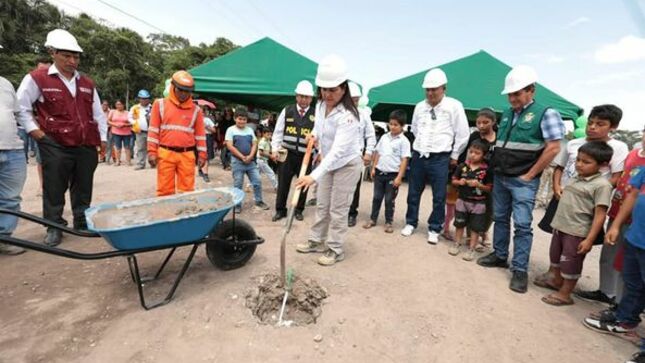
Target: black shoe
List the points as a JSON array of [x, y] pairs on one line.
[[201, 173], [596, 295], [81, 226], [491, 260], [637, 358], [206, 178], [519, 281], [351, 221], [298, 215], [53, 237], [278, 216]]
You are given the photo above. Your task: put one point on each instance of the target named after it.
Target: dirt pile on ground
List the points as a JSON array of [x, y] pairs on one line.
[[304, 303]]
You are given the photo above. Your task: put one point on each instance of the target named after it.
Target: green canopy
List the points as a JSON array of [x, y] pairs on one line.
[[476, 81], [263, 74]]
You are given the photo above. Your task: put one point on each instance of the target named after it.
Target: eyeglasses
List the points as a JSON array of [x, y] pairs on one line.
[[432, 114]]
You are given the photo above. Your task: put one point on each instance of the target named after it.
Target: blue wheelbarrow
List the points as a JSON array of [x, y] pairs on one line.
[[147, 227]]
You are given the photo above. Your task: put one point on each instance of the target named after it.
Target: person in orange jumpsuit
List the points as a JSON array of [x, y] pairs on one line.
[[176, 130]]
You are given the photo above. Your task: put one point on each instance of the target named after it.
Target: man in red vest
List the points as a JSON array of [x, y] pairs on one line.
[[70, 126]]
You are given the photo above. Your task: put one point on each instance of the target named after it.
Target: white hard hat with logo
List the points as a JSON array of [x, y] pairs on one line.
[[354, 90], [62, 40], [434, 78], [518, 78], [332, 71], [304, 88]]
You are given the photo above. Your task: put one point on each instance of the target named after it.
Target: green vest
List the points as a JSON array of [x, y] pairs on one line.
[[519, 145]]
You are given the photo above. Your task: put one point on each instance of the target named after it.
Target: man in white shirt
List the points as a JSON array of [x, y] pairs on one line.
[[71, 126], [13, 164], [139, 117], [367, 140], [441, 132]]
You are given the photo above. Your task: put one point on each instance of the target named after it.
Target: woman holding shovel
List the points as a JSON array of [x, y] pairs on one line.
[[336, 133]]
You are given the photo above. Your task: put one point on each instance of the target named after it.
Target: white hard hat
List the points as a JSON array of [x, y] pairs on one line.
[[304, 88], [332, 71], [354, 90], [62, 40], [434, 78], [518, 78]]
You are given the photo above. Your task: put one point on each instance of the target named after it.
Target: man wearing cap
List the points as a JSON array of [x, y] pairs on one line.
[[294, 124], [528, 140], [441, 132], [70, 127], [367, 140], [176, 130], [139, 117], [13, 164]]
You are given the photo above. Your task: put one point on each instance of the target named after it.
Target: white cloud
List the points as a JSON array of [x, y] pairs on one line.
[[603, 78], [545, 57], [576, 22], [554, 59], [627, 49]]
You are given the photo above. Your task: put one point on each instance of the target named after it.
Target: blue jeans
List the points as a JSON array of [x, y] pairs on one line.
[[633, 301], [13, 173], [384, 188], [252, 172], [516, 197], [433, 169]]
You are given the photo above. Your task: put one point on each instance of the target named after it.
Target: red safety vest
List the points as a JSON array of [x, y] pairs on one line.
[[66, 119]]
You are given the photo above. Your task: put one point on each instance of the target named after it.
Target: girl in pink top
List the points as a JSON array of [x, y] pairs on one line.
[[121, 132]]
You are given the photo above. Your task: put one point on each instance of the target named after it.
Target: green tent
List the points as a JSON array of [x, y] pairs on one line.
[[263, 74], [476, 81]]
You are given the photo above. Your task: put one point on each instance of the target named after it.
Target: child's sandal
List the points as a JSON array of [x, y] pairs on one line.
[[369, 224]]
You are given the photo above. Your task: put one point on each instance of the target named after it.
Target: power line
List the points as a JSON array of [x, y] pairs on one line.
[[132, 16]]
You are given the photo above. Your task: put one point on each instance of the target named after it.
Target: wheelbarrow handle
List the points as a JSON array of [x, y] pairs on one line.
[[60, 251], [47, 223]]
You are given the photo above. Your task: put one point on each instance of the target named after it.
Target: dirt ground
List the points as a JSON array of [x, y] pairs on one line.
[[393, 299]]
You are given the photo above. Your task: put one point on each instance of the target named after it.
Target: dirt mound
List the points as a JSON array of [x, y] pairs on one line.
[[304, 303]]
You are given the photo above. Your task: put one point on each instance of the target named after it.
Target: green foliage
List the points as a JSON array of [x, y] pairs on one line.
[[629, 137], [119, 60]]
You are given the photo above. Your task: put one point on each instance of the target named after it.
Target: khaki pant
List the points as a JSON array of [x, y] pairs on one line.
[[335, 193]]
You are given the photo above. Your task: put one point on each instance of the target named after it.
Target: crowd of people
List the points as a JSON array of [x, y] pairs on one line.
[[478, 180]]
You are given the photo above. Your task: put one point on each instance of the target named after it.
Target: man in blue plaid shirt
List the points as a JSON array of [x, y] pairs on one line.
[[528, 140]]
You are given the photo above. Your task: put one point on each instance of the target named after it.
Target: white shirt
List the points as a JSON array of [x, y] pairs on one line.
[[9, 139], [391, 151], [566, 159], [367, 133], [278, 131], [28, 93], [336, 135], [144, 115], [449, 132], [207, 124]]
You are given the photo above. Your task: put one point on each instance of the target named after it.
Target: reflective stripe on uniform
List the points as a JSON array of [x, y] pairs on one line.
[[152, 140], [178, 128], [519, 145], [161, 102], [153, 129], [201, 148], [192, 122], [200, 138]]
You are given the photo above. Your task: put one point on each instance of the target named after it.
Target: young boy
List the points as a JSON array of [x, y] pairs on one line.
[[603, 119], [242, 143], [625, 318], [474, 183], [578, 220], [389, 162], [264, 154]]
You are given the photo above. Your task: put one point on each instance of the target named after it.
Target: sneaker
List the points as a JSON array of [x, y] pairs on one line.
[[596, 295], [261, 205], [470, 255], [310, 247], [7, 249], [139, 167], [206, 178], [608, 326], [330, 257], [454, 249], [637, 358], [407, 230], [433, 237], [491, 260]]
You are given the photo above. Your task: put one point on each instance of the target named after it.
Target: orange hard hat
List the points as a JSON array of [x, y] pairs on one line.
[[183, 80]]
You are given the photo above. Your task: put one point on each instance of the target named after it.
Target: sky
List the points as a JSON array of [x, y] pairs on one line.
[[590, 52]]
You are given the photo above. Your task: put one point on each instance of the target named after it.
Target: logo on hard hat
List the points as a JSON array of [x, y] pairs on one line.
[[529, 117]]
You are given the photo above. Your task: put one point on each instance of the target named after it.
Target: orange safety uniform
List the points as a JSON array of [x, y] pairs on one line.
[[176, 130]]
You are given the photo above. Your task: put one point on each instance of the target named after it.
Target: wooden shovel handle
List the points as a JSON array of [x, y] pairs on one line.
[[303, 171]]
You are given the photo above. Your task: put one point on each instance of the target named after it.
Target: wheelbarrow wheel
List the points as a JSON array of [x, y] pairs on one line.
[[228, 256]]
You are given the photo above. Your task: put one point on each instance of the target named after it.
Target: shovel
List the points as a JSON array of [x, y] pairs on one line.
[[292, 211]]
